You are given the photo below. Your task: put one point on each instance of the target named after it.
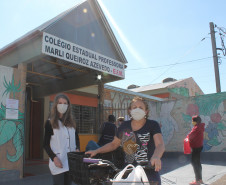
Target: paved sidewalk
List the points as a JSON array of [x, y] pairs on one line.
[[221, 181], [185, 174], [179, 171], [176, 170]]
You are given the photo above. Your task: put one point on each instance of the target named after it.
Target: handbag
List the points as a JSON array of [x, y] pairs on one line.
[[187, 148], [136, 177]]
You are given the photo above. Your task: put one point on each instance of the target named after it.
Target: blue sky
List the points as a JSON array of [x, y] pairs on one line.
[[160, 39]]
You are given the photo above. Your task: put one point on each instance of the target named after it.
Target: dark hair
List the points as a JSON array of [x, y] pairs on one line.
[[196, 119], [67, 118], [111, 118]]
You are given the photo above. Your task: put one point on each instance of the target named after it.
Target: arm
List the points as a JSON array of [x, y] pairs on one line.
[[106, 148], [46, 145], [115, 129], [47, 136], [192, 134], [159, 150]]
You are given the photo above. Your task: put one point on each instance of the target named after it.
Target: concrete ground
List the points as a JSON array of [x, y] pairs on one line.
[[176, 170], [221, 181]]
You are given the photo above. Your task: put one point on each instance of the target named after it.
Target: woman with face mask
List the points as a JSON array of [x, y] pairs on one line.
[[60, 138], [140, 138]]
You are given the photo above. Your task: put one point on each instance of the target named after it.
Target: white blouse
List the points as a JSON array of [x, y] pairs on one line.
[[62, 141]]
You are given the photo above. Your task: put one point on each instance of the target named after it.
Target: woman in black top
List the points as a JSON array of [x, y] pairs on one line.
[[140, 138], [60, 137]]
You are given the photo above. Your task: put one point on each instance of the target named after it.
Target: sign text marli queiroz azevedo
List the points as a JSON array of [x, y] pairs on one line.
[[59, 48]]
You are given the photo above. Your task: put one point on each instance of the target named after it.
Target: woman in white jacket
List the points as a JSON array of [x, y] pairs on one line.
[[60, 138]]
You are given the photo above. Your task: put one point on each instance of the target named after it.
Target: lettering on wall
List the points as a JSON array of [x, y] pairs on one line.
[[60, 48]]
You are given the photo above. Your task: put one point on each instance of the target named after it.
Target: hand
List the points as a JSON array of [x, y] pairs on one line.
[[77, 150], [57, 162], [91, 152], [156, 161]]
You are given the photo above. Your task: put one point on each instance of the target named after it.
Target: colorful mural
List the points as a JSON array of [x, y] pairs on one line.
[[180, 90], [12, 87], [186, 87], [175, 118], [161, 113], [11, 129]]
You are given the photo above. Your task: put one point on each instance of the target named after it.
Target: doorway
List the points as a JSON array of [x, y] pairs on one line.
[[34, 130]]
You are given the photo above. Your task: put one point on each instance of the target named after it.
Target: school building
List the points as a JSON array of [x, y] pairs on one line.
[[76, 53]]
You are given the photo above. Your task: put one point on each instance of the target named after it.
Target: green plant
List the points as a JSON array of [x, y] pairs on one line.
[[11, 87]]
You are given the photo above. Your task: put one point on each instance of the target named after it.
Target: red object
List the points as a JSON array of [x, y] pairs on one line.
[[196, 135], [195, 183], [187, 148]]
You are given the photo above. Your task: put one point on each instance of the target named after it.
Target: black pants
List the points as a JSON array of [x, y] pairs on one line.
[[153, 177], [62, 179], [196, 163]]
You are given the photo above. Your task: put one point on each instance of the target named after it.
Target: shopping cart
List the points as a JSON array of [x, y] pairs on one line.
[[96, 171]]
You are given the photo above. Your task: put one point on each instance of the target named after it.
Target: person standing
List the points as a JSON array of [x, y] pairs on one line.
[[140, 138], [60, 138], [196, 143], [108, 132]]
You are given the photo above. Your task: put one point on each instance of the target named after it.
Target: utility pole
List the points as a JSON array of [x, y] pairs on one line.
[[215, 58]]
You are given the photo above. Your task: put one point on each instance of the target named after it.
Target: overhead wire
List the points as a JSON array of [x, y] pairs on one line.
[[186, 53], [222, 33], [173, 64]]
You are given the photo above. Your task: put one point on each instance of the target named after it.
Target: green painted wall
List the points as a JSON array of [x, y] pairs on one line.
[[12, 86]]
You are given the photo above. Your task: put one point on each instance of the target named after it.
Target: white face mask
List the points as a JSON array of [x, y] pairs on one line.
[[62, 108], [137, 114]]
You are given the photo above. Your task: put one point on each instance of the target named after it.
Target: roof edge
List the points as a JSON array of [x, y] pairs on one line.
[[132, 93], [109, 30], [20, 42]]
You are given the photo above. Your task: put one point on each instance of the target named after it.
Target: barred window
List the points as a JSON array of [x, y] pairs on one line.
[[85, 118]]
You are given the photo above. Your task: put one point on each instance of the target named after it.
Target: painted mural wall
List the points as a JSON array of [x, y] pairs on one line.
[[186, 88], [175, 118], [12, 98]]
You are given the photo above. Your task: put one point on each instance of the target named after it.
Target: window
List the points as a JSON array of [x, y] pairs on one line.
[[85, 118]]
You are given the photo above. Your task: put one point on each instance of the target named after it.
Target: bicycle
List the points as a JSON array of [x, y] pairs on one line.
[[95, 171]]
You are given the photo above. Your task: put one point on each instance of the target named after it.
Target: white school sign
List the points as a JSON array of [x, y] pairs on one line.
[[62, 49]]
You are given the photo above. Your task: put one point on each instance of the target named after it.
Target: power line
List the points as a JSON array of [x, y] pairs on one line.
[[184, 55], [222, 33], [177, 63], [163, 73]]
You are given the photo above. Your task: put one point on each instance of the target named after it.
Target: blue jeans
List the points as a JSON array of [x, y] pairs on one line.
[[92, 145]]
